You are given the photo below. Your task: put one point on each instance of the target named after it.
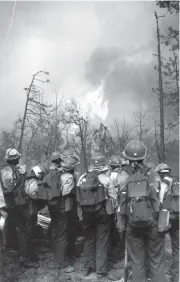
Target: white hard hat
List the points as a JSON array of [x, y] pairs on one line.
[[12, 154], [37, 170]]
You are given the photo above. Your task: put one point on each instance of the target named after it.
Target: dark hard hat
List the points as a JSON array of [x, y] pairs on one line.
[[114, 161], [55, 156], [135, 150], [98, 159]]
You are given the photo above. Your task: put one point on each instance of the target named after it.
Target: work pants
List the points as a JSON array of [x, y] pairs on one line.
[[60, 233], [114, 234], [18, 230], [75, 231], [35, 206], [24, 224], [96, 232], [10, 235], [146, 248], [174, 236]]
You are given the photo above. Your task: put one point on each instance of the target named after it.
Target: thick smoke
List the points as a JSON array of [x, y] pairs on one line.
[[119, 73]]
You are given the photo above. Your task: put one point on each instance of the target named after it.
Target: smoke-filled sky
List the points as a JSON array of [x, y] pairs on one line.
[[85, 46]]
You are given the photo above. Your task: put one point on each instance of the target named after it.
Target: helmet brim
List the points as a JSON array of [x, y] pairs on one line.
[[134, 158]]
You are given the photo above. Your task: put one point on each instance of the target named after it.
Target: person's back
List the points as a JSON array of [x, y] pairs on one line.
[[32, 189], [13, 180], [139, 208], [96, 197], [61, 184]]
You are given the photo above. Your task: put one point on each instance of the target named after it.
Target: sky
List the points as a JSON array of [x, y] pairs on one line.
[[94, 49]]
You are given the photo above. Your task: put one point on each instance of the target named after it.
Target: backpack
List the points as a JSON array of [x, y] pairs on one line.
[[174, 204], [14, 193], [90, 193], [136, 199], [49, 188], [31, 187]]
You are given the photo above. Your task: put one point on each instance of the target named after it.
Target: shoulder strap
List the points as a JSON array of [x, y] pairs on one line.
[[146, 170], [128, 169], [14, 169]]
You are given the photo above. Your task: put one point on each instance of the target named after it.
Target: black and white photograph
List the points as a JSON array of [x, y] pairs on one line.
[[89, 141]]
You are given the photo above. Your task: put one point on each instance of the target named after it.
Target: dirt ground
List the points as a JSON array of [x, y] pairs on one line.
[[46, 272]]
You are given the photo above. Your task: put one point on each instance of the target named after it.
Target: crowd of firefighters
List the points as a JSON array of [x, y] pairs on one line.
[[137, 201]]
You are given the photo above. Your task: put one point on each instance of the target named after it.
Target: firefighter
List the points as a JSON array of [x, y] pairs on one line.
[[96, 197], [33, 179], [139, 208], [58, 214], [12, 180], [169, 197], [68, 189], [115, 165]]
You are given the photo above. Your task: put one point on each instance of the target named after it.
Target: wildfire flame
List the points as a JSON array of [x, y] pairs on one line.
[[93, 104]]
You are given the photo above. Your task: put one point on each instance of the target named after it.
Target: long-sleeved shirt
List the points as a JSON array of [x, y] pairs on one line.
[[13, 177], [7, 178], [164, 187], [2, 200], [67, 183], [113, 175]]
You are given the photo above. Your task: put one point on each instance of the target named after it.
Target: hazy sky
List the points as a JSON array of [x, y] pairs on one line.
[[81, 44]]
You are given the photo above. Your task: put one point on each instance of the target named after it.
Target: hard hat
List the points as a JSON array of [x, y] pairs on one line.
[[98, 159], [55, 156], [135, 150], [68, 153], [39, 169], [12, 154], [114, 161], [69, 163], [163, 168]]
